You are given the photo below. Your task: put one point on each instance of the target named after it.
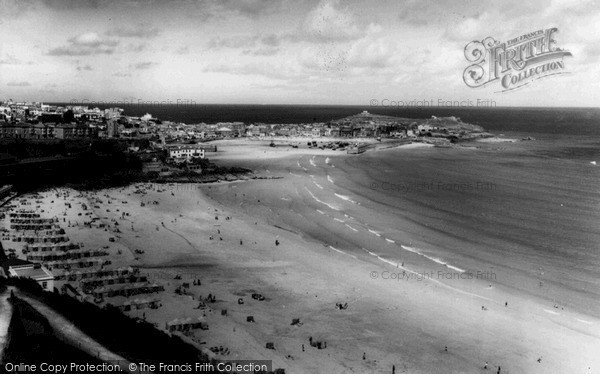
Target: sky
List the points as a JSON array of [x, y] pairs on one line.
[[330, 52]]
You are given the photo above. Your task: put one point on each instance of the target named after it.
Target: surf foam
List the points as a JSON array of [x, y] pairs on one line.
[[346, 198], [320, 201], [374, 232], [342, 252], [434, 259]]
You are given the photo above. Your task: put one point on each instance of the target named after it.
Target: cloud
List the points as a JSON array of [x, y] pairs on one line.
[[14, 8], [143, 65], [329, 22], [237, 41], [183, 50], [139, 31], [18, 84], [84, 45], [12, 60], [510, 18], [592, 52], [244, 41], [135, 48], [261, 52], [418, 13], [572, 7], [412, 15], [250, 8], [271, 40], [470, 28], [322, 60], [372, 53], [72, 4], [267, 70]]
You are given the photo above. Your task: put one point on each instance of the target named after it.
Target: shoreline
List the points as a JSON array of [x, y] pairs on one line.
[[305, 276]]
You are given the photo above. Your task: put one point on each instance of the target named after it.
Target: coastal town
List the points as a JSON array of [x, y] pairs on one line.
[[36, 120], [165, 146]]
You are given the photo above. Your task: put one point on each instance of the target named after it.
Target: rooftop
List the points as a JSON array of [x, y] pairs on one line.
[[30, 271]]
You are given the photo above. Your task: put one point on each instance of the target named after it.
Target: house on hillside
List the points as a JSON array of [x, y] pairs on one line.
[[25, 269]]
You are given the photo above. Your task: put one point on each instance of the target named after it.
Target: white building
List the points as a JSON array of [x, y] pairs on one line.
[[186, 152], [36, 272]]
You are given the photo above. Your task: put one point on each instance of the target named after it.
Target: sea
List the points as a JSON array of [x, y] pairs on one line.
[[580, 121]]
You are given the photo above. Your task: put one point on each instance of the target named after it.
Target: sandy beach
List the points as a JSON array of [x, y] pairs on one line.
[[401, 313]]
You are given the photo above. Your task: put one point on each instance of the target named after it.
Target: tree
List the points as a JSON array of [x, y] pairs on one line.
[[68, 116]]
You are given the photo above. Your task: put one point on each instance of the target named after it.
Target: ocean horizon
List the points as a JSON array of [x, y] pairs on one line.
[[541, 120]]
